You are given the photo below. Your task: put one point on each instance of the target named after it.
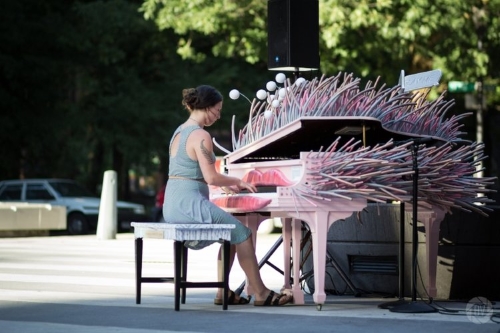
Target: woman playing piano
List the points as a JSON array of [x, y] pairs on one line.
[[191, 171]]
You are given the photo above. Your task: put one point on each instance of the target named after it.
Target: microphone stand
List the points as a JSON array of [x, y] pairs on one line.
[[414, 306]]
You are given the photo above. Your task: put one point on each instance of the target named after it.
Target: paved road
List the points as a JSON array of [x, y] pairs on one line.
[[79, 284]]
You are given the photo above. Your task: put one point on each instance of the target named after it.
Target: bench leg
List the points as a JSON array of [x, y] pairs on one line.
[[184, 264], [177, 273], [138, 269]]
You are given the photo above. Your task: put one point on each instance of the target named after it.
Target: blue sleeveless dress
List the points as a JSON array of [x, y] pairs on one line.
[[187, 198]]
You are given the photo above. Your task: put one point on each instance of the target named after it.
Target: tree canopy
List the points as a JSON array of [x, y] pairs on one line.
[[87, 86], [367, 37], [90, 86]]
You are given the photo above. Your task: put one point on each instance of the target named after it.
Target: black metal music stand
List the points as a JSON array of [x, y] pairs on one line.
[[413, 306]]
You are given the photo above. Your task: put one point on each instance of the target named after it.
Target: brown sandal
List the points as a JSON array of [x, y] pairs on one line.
[[231, 300], [273, 302]]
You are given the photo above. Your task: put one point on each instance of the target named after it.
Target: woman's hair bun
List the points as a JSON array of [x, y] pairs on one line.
[[201, 97]]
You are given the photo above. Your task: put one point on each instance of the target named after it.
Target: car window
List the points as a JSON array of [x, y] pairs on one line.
[[38, 192], [69, 189], [11, 192]]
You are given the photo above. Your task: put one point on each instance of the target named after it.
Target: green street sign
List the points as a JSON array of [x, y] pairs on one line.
[[461, 87]]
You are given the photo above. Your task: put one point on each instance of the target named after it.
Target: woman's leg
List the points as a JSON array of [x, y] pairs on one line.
[[248, 262], [220, 269], [245, 250]]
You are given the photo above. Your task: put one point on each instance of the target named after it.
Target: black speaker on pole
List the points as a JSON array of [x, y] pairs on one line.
[[293, 35]]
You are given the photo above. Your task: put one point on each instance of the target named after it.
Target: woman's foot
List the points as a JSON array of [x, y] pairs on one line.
[[272, 299], [233, 299]]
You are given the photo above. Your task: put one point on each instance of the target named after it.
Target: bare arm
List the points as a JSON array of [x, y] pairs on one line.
[[200, 144]]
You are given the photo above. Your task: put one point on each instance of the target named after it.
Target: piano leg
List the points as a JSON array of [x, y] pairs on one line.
[[432, 221], [319, 223], [298, 295], [319, 231], [292, 236]]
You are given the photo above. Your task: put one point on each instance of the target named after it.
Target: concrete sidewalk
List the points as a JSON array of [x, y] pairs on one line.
[[80, 284]]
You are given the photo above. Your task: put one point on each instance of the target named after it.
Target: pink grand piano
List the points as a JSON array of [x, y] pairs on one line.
[[326, 148]]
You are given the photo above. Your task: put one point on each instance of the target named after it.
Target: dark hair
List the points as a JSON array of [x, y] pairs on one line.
[[200, 97]]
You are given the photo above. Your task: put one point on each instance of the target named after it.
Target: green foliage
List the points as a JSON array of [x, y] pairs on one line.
[[86, 86], [226, 28], [381, 37], [32, 77], [368, 37], [91, 86]]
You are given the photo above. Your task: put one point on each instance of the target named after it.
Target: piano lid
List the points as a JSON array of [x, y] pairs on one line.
[[312, 133]]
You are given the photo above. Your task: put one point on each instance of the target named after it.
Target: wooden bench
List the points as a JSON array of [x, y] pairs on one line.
[[180, 233]]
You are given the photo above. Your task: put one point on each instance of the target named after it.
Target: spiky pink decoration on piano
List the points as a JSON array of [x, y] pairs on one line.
[[341, 96], [380, 173]]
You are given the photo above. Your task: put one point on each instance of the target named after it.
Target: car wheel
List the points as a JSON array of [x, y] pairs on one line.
[[77, 224], [266, 227]]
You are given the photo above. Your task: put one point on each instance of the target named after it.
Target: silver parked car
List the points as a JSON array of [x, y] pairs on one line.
[[81, 205]]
